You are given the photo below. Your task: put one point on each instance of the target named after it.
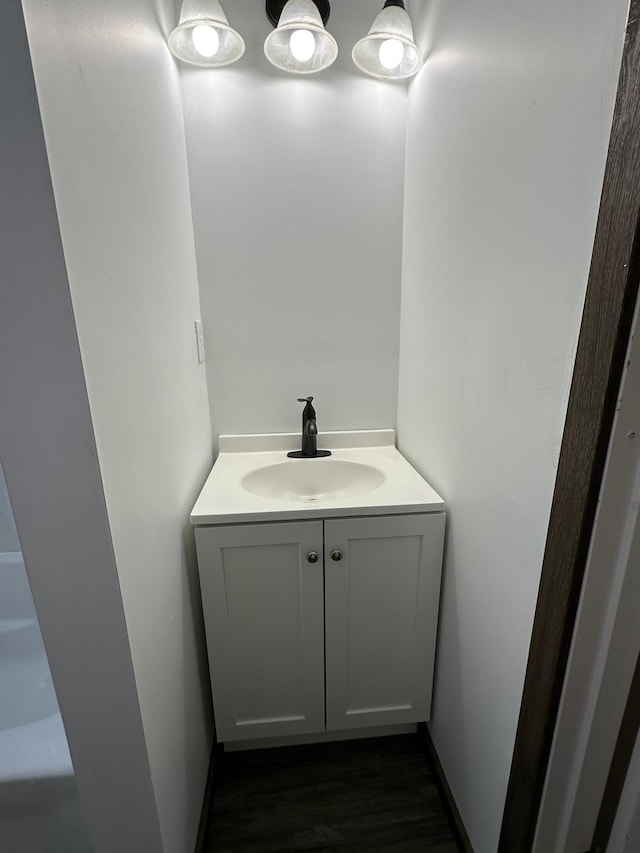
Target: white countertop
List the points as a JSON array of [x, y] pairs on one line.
[[225, 500]]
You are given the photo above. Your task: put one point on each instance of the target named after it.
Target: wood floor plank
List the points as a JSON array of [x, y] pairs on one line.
[[373, 795]]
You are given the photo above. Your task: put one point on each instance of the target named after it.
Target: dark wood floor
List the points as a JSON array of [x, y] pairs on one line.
[[377, 796]]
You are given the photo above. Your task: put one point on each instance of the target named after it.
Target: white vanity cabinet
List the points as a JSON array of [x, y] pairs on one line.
[[263, 605], [281, 624], [381, 615]]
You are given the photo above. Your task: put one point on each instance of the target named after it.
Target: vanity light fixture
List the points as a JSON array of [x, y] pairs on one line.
[[300, 44], [203, 36], [388, 51]]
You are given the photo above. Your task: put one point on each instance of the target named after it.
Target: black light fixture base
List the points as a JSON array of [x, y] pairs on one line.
[[275, 7]]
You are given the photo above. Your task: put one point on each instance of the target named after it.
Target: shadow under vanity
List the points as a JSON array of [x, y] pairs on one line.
[[320, 586]]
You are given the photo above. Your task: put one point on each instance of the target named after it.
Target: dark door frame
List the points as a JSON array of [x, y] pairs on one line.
[[604, 334]]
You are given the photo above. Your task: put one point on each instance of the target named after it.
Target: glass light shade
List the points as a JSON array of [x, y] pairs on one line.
[[203, 36], [388, 51], [290, 48]]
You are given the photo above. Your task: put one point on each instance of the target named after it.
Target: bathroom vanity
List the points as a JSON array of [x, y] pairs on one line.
[[320, 585]]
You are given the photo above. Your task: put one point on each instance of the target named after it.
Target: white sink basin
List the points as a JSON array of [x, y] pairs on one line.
[[254, 481], [313, 479]]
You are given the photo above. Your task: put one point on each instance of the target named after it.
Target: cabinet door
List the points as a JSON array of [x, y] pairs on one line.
[[263, 613], [381, 613]]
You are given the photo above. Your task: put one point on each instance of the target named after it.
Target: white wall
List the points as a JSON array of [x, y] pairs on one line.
[[49, 459], [8, 533], [112, 115], [507, 134], [297, 201]]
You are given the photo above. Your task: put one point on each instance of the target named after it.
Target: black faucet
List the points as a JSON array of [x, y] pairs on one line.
[[309, 434]]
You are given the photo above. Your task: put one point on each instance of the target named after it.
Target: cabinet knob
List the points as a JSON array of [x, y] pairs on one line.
[[336, 555], [312, 557]]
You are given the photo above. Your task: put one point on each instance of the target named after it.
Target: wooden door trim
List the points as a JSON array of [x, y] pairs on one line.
[[606, 323]]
